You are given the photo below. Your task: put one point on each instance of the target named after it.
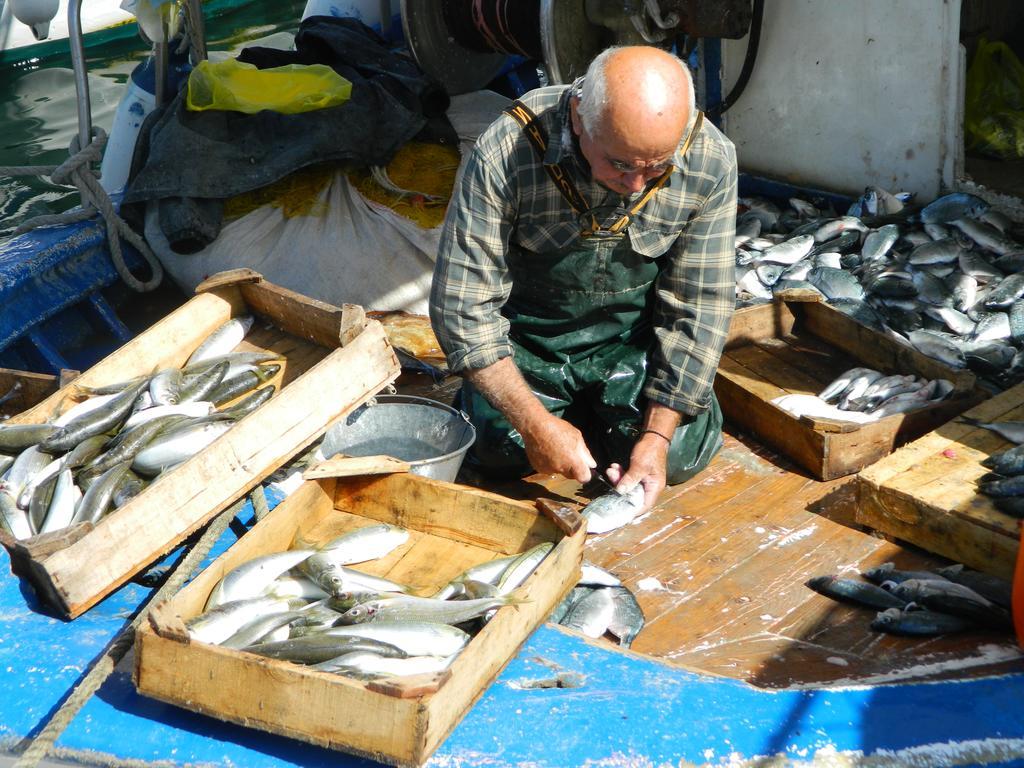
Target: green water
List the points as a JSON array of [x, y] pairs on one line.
[[39, 113]]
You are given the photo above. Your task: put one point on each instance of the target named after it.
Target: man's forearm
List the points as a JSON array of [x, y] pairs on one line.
[[506, 389], [661, 419]]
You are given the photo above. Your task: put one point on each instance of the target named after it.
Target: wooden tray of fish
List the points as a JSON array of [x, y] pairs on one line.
[[930, 491], [398, 708], [799, 347], [315, 364]]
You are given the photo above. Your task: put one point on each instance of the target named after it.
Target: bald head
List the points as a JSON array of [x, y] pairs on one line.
[[631, 114], [638, 93]]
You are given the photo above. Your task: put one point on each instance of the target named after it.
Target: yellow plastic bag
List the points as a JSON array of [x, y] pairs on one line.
[[994, 103], [234, 86]]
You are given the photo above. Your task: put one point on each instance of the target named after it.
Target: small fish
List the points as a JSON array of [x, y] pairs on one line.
[[221, 622], [595, 576], [889, 572], [12, 519], [519, 570], [1008, 463], [177, 445], [999, 591], [592, 613], [613, 510], [111, 415], [835, 283], [880, 241], [576, 594], [409, 608], [165, 386], [855, 592], [416, 638], [357, 546], [320, 647], [938, 348], [951, 207], [627, 617], [1006, 292], [789, 251], [1008, 430], [844, 381], [18, 437], [224, 339], [954, 599], [1009, 486], [370, 665], [935, 252], [918, 623], [262, 629], [251, 578]]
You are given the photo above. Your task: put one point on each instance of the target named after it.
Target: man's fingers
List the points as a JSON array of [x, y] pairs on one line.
[[627, 482], [614, 473]]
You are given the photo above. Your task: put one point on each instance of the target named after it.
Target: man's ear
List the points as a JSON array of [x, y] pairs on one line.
[[574, 115]]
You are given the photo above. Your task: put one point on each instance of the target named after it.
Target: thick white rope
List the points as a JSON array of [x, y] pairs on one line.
[[76, 171]]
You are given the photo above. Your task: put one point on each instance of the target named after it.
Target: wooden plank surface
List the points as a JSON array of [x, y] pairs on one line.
[[730, 551]]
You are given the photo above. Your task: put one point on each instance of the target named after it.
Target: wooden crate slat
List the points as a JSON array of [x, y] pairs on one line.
[[801, 355], [926, 492], [774, 370]]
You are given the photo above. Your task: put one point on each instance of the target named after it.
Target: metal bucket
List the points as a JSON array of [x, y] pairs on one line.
[[433, 438]]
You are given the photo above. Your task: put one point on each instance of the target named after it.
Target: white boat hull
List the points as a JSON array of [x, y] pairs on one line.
[[96, 15]]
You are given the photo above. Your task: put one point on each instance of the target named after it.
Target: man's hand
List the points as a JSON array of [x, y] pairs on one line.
[[647, 466], [648, 461], [554, 445]]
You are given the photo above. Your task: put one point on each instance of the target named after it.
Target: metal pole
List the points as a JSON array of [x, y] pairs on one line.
[[160, 53], [81, 76]]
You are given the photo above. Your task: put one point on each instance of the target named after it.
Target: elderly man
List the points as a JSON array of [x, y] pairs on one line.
[[585, 277]]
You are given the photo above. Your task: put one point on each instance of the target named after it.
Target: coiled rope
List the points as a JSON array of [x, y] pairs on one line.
[[105, 665], [76, 171]]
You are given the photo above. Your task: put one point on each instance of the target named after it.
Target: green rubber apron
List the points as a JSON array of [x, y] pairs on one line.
[[581, 333]]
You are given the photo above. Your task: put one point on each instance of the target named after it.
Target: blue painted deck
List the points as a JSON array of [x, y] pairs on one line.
[[629, 711]]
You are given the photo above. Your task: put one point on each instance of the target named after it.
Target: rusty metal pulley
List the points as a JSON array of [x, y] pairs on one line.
[[465, 43]]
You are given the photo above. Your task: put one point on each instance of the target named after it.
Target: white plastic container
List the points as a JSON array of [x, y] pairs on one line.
[[383, 16], [137, 102]]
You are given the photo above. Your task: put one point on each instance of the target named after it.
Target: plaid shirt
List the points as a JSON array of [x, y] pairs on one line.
[[505, 201]]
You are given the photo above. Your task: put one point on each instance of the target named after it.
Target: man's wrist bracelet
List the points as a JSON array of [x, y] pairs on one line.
[[666, 438]]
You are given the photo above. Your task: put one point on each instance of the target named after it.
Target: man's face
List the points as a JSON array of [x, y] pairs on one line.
[[619, 163]]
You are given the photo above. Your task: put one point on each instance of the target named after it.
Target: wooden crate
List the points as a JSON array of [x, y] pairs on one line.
[[35, 387], [799, 347], [925, 493], [397, 720], [320, 381]]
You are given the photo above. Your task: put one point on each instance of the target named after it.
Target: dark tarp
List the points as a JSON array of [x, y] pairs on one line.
[[185, 158]]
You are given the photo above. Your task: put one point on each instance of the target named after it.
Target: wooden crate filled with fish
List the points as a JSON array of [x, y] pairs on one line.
[[946, 278], [362, 614], [828, 392], [959, 491], [116, 468]]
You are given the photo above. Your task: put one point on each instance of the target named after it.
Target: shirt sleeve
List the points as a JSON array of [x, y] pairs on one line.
[[695, 299], [471, 282]]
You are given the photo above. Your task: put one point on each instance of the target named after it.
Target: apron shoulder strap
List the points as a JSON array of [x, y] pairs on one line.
[[538, 137]]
